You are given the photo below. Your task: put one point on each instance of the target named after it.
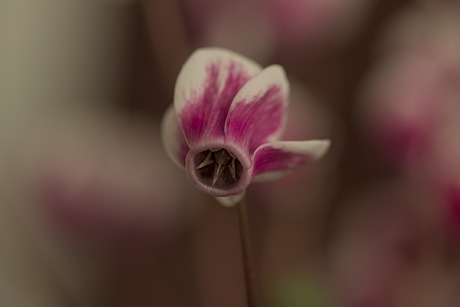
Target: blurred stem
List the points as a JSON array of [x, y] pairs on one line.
[[168, 35], [243, 223]]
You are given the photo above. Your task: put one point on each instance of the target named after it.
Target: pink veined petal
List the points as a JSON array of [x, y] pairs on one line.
[[258, 112], [173, 138], [205, 88], [230, 201], [273, 159]]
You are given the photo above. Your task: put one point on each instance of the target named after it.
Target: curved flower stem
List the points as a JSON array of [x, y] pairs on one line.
[[243, 223]]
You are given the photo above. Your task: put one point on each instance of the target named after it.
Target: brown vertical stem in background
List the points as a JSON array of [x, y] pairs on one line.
[[168, 35], [243, 223]]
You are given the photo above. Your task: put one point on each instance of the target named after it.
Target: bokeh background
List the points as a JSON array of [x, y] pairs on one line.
[[93, 213]]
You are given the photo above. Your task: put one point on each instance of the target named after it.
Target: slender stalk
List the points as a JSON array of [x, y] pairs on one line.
[[243, 223]]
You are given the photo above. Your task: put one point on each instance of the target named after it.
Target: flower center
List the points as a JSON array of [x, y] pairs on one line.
[[218, 167]]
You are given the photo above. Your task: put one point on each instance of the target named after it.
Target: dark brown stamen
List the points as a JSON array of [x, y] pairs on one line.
[[219, 165], [207, 161], [232, 168]]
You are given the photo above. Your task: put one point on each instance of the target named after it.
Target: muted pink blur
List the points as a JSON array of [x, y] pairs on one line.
[[411, 102], [263, 29]]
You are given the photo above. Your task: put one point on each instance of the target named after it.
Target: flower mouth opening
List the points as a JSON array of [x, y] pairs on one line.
[[218, 168]]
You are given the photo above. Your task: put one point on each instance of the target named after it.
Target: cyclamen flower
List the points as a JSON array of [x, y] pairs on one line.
[[226, 124]]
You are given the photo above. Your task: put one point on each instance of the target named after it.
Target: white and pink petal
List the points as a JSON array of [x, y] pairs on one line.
[[205, 88], [173, 138], [257, 114], [272, 160]]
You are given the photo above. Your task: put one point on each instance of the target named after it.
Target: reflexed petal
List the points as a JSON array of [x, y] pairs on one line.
[[230, 201], [173, 138], [258, 112], [205, 88], [273, 159]]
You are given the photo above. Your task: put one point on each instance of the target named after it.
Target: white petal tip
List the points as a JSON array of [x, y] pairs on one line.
[[230, 201], [277, 75], [217, 51], [277, 69], [319, 148]]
